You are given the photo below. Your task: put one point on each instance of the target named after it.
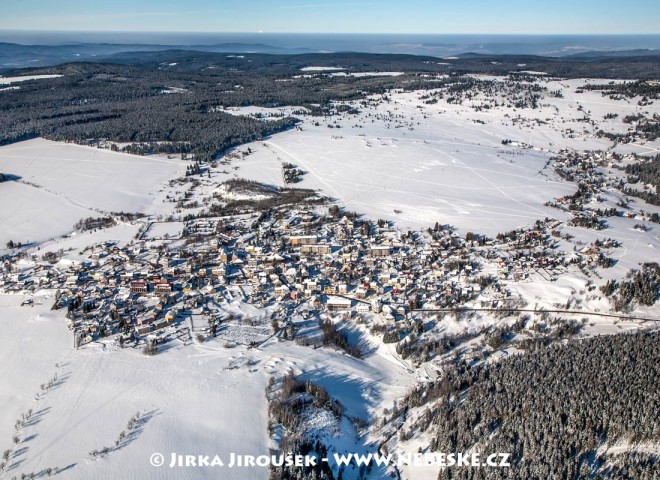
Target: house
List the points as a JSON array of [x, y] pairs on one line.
[[163, 288], [302, 240], [338, 303], [379, 250], [138, 287], [218, 271], [316, 302], [362, 307], [281, 290], [376, 306], [225, 256], [143, 329], [316, 249], [162, 323]]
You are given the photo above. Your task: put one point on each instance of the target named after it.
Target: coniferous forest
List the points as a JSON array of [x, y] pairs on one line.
[[557, 410]]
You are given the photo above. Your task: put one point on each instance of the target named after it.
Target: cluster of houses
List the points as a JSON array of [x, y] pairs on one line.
[[303, 260]]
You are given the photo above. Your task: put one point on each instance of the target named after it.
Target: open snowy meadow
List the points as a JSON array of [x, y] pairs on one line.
[[417, 164], [60, 183]]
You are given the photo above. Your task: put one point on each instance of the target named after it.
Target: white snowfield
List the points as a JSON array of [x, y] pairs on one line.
[[320, 69], [60, 183], [429, 164], [418, 164], [440, 179], [24, 78]]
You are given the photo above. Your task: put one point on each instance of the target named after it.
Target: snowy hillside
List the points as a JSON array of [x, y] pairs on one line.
[[61, 183]]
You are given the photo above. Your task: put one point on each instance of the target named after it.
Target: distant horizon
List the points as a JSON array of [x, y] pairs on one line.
[[420, 17], [330, 33], [393, 34], [60, 45]]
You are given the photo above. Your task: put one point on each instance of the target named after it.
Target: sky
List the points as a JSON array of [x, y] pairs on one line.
[[337, 16]]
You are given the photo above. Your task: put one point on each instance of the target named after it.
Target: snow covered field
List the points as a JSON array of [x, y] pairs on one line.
[[442, 162], [417, 163], [177, 393], [60, 183], [24, 78], [159, 230], [441, 179]]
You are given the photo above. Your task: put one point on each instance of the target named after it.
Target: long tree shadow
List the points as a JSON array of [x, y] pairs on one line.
[[61, 380], [135, 428], [68, 467], [36, 417], [30, 437], [52, 471], [9, 177], [20, 451], [139, 428], [14, 465]]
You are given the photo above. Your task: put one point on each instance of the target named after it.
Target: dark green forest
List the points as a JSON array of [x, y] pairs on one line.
[[552, 409]]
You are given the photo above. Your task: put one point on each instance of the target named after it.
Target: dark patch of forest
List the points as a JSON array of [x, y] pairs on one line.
[[169, 112], [639, 287], [123, 104], [648, 172], [629, 67], [639, 88], [552, 409], [266, 197], [286, 410]]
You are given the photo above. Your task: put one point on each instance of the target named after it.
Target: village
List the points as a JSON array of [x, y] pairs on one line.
[[292, 267], [271, 261]]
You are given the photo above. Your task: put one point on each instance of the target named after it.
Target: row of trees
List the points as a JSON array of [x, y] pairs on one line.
[[638, 88], [334, 336]]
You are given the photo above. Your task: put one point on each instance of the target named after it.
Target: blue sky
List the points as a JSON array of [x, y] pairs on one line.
[[338, 16]]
